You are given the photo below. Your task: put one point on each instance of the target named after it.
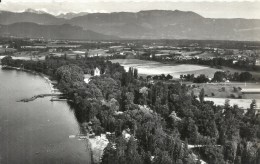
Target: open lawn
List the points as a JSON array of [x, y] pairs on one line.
[[226, 90], [3, 50], [215, 92], [147, 67], [242, 103], [255, 74]]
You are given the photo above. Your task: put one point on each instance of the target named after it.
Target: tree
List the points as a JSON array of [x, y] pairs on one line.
[[135, 73], [65, 55], [96, 126], [201, 79], [230, 151], [169, 77], [252, 110], [124, 79], [205, 121], [189, 130], [162, 157], [245, 76], [132, 155], [86, 54], [70, 73], [219, 76], [108, 86], [227, 104], [109, 155], [7, 60], [130, 74], [202, 95], [181, 76], [253, 105], [213, 154]]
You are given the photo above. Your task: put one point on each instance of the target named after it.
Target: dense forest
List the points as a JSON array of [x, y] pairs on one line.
[[166, 124]]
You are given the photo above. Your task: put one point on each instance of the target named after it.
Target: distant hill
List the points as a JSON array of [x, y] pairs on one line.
[[151, 24], [65, 31]]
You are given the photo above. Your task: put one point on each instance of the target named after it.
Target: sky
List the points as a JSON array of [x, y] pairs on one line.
[[206, 8]]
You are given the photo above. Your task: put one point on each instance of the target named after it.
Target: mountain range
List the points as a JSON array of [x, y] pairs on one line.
[[65, 31], [150, 24]]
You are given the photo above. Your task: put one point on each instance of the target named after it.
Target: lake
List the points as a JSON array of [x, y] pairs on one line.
[[38, 131]]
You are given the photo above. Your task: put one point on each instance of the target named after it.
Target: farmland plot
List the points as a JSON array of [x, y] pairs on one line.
[[146, 67]]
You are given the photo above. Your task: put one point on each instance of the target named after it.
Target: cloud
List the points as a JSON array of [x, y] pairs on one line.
[[87, 1]]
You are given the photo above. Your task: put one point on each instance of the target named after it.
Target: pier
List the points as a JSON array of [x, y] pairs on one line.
[[40, 96]]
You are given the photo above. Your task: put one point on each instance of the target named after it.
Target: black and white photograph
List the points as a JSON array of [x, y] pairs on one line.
[[129, 82]]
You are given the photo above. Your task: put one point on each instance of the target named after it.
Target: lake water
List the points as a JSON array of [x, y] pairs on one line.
[[37, 131]]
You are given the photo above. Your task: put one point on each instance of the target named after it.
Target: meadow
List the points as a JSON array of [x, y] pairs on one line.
[[226, 90], [146, 67], [213, 91], [242, 103]]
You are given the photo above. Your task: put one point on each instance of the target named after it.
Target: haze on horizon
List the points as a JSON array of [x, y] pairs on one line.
[[209, 9]]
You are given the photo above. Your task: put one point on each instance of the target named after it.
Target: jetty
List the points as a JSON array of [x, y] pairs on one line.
[[40, 96]]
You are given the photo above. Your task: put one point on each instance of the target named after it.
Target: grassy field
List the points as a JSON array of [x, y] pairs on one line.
[[217, 92], [3, 50], [146, 67], [242, 103], [226, 90], [255, 74]]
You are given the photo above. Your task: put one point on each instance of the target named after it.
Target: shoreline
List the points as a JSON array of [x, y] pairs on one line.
[[97, 147], [95, 144], [45, 77]]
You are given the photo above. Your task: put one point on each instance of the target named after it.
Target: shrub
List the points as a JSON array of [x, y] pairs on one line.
[[232, 96]]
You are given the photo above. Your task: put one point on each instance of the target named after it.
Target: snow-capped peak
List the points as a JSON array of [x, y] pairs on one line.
[[35, 11]]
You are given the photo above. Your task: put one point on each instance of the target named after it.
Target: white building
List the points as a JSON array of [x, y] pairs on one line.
[[87, 77], [96, 72]]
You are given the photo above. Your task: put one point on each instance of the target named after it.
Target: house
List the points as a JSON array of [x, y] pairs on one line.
[[4, 46], [116, 48], [52, 50], [235, 61], [96, 52], [96, 72], [126, 134], [257, 62], [87, 77]]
